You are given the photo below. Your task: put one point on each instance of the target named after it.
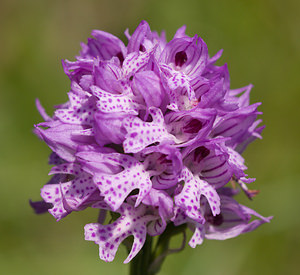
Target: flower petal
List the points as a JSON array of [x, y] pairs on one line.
[[132, 222], [140, 134], [141, 33], [179, 88], [249, 136], [107, 76], [164, 163], [135, 61], [115, 103], [198, 236], [161, 200], [59, 138], [189, 198], [80, 111], [190, 125], [209, 160], [212, 197], [116, 187], [109, 127], [236, 124], [42, 111], [180, 32], [40, 207], [69, 196], [105, 46], [194, 51], [241, 216], [149, 86]]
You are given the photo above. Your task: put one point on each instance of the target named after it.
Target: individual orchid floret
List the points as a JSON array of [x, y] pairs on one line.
[[132, 176], [189, 198], [69, 195], [141, 134], [151, 135], [164, 164], [133, 221], [233, 220]]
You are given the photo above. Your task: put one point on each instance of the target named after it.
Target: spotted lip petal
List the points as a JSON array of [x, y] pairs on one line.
[[133, 221], [140, 134], [178, 87], [115, 103], [135, 62], [180, 218], [80, 111], [177, 80], [115, 188], [189, 198], [72, 195]]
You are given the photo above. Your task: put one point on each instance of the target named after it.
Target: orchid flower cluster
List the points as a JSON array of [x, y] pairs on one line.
[[151, 133]]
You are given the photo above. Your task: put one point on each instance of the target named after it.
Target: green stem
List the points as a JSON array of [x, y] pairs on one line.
[[162, 248], [141, 262], [148, 262]]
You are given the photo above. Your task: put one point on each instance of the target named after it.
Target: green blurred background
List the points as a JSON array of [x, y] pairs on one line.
[[261, 45]]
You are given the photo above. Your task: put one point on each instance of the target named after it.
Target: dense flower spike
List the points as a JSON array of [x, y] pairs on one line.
[[151, 134]]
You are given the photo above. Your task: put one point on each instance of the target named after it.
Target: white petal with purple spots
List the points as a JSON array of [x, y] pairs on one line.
[[135, 61], [132, 222], [80, 111], [189, 198], [198, 236], [116, 187], [140, 134], [71, 195], [114, 103]]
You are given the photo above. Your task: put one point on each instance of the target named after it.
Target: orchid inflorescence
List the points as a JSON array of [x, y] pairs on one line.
[[151, 132]]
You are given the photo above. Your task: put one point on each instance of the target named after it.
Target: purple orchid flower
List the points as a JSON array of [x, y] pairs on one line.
[[153, 132]]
